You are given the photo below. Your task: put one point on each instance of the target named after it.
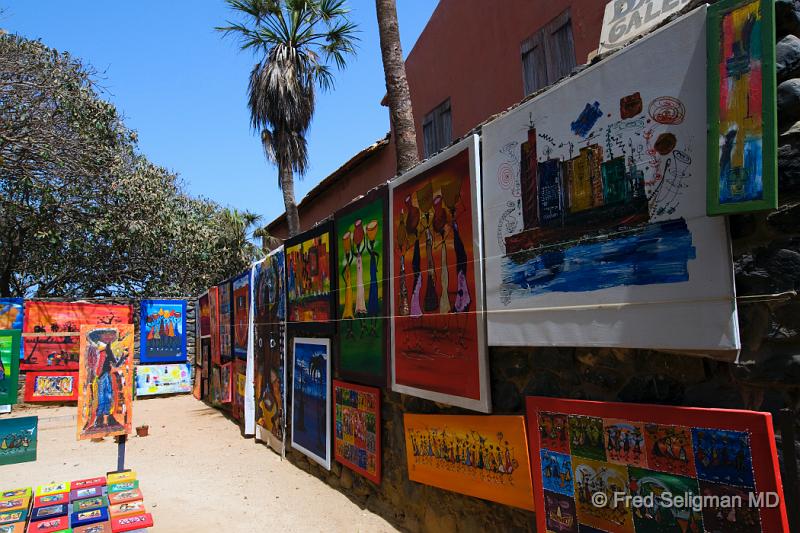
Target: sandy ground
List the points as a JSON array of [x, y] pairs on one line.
[[196, 472]]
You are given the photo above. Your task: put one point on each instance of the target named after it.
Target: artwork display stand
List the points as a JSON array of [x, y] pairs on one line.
[[121, 440]]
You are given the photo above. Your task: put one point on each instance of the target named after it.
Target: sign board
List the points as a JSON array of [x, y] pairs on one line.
[[626, 19]]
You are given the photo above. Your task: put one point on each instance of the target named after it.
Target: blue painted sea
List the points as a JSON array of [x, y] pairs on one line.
[[658, 253]]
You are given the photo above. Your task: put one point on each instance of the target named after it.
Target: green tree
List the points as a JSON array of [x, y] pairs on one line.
[[298, 42]]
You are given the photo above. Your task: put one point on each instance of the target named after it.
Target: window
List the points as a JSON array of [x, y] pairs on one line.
[[437, 129], [548, 55]]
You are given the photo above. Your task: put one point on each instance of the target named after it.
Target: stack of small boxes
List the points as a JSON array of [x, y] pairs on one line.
[[98, 505]]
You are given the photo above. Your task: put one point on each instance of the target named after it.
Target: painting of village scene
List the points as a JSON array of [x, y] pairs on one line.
[[481, 456], [597, 196], [18, 439], [606, 449], [437, 294], [309, 283], [361, 231]]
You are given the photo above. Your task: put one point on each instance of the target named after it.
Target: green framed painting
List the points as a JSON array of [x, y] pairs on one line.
[[361, 233], [742, 108], [9, 365]]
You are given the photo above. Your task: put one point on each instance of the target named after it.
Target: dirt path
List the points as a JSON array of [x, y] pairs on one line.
[[196, 473]]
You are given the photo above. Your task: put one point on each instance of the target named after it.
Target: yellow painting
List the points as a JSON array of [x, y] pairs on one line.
[[481, 456]]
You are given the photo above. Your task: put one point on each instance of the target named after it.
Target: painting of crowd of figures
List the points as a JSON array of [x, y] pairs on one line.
[[595, 208]]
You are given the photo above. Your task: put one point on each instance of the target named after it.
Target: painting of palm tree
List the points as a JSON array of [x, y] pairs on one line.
[[311, 403]]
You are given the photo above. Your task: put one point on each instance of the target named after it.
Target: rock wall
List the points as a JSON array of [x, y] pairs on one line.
[[766, 249]]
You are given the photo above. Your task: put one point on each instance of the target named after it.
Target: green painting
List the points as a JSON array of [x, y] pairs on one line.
[[586, 437], [18, 438], [361, 303], [9, 366], [668, 502]]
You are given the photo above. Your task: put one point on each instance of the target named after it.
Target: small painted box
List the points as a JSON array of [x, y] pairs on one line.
[[88, 504], [126, 509], [10, 517], [100, 527], [18, 527], [125, 485], [84, 518], [131, 523], [51, 499], [15, 504], [80, 494], [52, 488], [125, 496], [50, 525], [119, 477], [49, 511], [15, 493], [88, 483]]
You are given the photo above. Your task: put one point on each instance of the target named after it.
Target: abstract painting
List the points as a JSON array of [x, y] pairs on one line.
[[215, 386], [163, 379], [18, 438], [11, 313], [357, 432], [9, 366], [226, 383], [105, 382], [438, 327], [656, 453], [481, 456], [269, 300], [311, 399], [241, 313], [51, 386], [225, 295], [213, 309], [162, 331], [594, 208], [311, 280], [204, 306], [742, 114], [361, 232], [239, 376], [51, 331]]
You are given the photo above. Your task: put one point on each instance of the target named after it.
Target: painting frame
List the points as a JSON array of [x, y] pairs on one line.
[[295, 322], [765, 471], [9, 384], [147, 379], [226, 383], [16, 427], [241, 288], [32, 380], [769, 119], [375, 411], [204, 315], [379, 196], [322, 460], [144, 341], [470, 144], [116, 381], [213, 309], [225, 321]]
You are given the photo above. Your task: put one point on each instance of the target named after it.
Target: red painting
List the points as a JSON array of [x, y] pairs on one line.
[[554, 431], [644, 450], [437, 287], [205, 315], [51, 331], [213, 314], [241, 314], [357, 436], [51, 386]]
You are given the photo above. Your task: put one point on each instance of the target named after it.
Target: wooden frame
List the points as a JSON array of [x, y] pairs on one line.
[[688, 421], [339, 442], [769, 134], [296, 322], [379, 194], [65, 380], [482, 401]]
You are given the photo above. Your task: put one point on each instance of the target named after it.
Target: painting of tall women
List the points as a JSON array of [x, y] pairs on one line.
[[438, 327], [105, 383], [361, 236], [163, 331]]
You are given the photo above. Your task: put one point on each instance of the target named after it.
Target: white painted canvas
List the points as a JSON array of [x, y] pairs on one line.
[[618, 253]]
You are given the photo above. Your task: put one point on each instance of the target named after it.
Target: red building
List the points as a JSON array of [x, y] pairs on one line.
[[474, 59]]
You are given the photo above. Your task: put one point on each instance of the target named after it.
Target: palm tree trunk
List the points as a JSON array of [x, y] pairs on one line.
[[287, 187], [399, 96]]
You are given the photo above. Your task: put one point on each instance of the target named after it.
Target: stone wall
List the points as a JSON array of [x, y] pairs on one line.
[[766, 249]]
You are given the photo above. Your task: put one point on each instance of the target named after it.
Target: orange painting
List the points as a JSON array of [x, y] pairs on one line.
[[481, 456], [105, 383]]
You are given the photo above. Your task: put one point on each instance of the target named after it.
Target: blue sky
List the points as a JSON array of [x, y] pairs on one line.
[[182, 87]]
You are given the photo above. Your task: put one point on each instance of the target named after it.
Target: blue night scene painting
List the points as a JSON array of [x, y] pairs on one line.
[[557, 472], [311, 383], [723, 456]]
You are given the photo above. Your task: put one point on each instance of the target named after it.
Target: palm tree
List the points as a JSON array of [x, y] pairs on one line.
[[238, 230], [399, 96], [299, 40]]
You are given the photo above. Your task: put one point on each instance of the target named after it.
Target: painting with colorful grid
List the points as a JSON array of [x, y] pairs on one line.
[[631, 468]]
